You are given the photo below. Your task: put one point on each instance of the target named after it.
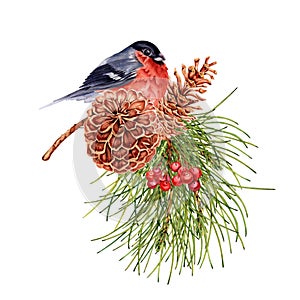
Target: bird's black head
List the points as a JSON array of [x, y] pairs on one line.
[[150, 50]]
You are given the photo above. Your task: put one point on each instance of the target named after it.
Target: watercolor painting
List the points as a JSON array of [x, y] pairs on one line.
[[170, 197], [135, 180]]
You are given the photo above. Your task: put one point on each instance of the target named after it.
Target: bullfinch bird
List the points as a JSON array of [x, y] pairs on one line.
[[140, 66]]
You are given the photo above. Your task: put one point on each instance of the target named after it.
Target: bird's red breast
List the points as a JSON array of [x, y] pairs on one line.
[[152, 78], [150, 67]]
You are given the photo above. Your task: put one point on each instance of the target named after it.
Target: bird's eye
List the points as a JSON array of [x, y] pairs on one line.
[[147, 51]]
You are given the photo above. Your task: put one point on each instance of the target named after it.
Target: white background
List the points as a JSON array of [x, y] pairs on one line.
[[49, 47]]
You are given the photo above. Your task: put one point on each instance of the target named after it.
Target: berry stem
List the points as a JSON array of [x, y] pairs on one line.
[[170, 152]]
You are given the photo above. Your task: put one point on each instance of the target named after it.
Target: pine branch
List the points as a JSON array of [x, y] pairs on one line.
[[177, 227]]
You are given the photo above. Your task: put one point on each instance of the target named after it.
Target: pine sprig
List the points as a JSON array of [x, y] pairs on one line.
[[178, 228]]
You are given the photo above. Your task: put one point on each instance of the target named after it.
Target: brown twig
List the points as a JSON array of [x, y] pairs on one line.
[[163, 234], [64, 136]]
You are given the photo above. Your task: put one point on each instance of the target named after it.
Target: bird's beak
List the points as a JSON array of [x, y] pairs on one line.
[[160, 57]]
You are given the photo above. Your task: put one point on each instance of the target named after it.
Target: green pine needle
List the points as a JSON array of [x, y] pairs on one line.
[[181, 229]]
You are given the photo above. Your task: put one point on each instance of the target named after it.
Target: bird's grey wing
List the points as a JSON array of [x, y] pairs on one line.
[[113, 72], [106, 77]]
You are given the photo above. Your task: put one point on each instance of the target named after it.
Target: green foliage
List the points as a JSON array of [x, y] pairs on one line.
[[177, 228]]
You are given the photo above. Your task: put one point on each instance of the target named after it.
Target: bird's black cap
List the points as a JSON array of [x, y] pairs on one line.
[[149, 49]]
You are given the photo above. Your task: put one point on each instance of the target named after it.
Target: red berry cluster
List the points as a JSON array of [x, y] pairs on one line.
[[186, 176], [156, 177]]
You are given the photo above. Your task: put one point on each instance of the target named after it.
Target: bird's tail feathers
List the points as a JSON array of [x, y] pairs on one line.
[[80, 95]]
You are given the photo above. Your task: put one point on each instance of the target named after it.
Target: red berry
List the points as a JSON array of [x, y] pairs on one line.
[[165, 185], [194, 186], [197, 173], [175, 166], [157, 172], [164, 177], [150, 175], [181, 169], [176, 180], [186, 177], [152, 184]]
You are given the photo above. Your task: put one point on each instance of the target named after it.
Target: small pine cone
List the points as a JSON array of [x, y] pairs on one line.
[[122, 131], [177, 105]]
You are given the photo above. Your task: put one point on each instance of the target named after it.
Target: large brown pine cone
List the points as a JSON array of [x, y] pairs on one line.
[[122, 131]]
